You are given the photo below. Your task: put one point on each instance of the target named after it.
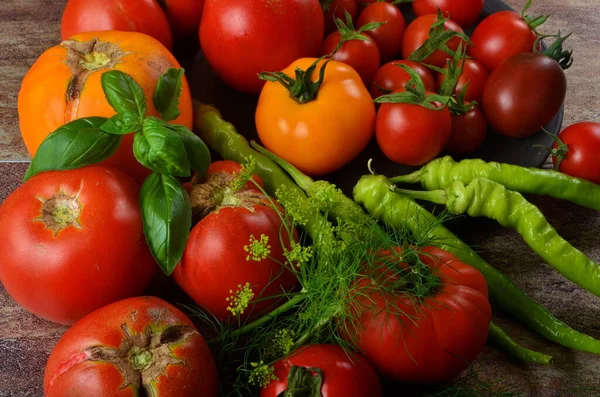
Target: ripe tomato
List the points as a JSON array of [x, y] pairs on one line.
[[344, 374], [361, 55], [474, 74], [242, 38], [137, 346], [337, 9], [581, 159], [184, 16], [231, 167], [75, 238], [143, 16], [412, 134], [523, 94], [463, 12], [428, 340], [418, 32], [500, 36], [218, 267], [339, 121], [388, 37], [468, 131], [391, 77], [64, 85]]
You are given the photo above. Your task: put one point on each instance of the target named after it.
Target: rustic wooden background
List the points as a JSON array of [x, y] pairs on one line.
[[28, 27]]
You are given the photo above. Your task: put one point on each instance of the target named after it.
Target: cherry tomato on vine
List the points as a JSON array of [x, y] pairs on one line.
[[468, 131], [388, 36], [337, 9], [463, 12], [581, 158], [474, 74], [418, 32], [391, 77]]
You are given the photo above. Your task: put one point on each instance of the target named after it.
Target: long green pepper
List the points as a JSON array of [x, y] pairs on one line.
[[439, 173], [483, 197]]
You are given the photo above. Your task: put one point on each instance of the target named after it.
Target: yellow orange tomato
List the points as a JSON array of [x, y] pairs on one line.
[[64, 85], [324, 134]]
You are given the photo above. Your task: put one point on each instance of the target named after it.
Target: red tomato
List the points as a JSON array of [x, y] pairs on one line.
[[144, 16], [184, 16], [430, 340], [463, 12], [217, 267], [583, 145], [337, 9], [75, 238], [473, 73], [361, 55], [392, 77], [388, 37], [137, 346], [500, 36], [523, 94], [242, 38], [418, 32], [412, 134], [343, 375], [231, 167], [468, 131]]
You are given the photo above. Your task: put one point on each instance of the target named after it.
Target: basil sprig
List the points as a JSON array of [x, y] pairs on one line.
[[169, 150]]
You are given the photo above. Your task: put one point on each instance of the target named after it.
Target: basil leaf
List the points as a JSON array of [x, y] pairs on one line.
[[76, 144], [167, 93], [161, 149], [123, 93], [122, 124], [167, 219], [197, 152]]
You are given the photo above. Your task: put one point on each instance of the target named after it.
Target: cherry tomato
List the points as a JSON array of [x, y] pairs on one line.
[[361, 55], [523, 94], [463, 12], [343, 374], [337, 9], [391, 77], [143, 16], [412, 134], [242, 38], [75, 238], [418, 32], [468, 131], [500, 36], [473, 73], [583, 145], [184, 16], [388, 37], [137, 346]]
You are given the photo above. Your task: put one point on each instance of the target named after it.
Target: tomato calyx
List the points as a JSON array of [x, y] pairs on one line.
[[60, 211], [556, 51], [303, 382], [302, 89], [533, 22], [348, 32]]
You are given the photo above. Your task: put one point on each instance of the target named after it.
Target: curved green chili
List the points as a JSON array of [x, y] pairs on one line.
[[483, 197], [376, 195], [439, 173], [504, 342]]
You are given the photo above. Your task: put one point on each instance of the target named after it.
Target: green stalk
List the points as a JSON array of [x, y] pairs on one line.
[[503, 341]]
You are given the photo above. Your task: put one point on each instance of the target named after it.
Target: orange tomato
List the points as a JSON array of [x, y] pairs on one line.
[[64, 85], [322, 135]]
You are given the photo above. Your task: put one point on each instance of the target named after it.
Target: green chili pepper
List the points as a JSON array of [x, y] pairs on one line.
[[376, 195], [483, 197], [439, 173], [504, 342]]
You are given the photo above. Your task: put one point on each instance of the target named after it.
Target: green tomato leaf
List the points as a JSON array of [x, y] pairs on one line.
[[197, 152], [123, 93], [167, 93], [160, 149], [76, 144], [167, 219], [122, 124]]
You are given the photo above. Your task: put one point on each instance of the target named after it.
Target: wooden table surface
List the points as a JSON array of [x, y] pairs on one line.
[[28, 27]]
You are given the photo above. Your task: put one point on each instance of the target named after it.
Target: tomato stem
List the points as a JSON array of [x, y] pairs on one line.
[[302, 88], [348, 32]]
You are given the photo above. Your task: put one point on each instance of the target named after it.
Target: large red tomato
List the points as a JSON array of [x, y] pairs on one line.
[[184, 16], [242, 38], [388, 36], [137, 346], [581, 159], [72, 242], [234, 255], [391, 77], [430, 339], [463, 12], [143, 16], [343, 374]]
